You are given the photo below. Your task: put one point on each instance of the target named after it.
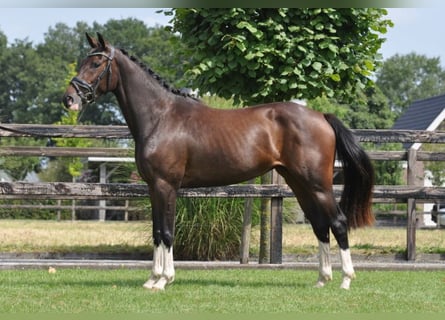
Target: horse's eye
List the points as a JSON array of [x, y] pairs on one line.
[[96, 64]]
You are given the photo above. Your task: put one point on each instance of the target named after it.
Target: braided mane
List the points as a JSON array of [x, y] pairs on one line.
[[157, 77]]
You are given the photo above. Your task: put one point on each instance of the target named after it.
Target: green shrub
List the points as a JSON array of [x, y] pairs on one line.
[[209, 228], [12, 212]]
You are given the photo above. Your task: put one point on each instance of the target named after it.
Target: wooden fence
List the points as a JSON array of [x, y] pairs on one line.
[[410, 193]]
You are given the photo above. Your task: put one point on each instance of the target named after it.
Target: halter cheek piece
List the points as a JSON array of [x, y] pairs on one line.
[[86, 91]]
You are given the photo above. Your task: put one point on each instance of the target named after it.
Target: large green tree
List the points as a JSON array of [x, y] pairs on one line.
[[274, 54], [4, 94], [33, 76], [19, 83], [406, 78]]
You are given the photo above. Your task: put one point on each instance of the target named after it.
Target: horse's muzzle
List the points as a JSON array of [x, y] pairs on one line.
[[72, 101]]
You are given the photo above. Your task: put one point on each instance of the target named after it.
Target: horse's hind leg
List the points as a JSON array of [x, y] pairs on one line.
[[321, 230], [316, 205], [339, 227], [325, 215], [317, 200]]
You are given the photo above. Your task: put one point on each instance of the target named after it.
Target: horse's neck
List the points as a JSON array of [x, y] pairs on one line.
[[141, 98]]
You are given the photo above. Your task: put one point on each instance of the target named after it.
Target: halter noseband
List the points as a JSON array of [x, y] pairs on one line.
[[86, 91]]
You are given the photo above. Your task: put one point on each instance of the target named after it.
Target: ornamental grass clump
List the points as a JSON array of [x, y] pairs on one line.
[[208, 229]]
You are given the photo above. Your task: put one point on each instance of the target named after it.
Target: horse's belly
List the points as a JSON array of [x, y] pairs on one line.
[[210, 174]]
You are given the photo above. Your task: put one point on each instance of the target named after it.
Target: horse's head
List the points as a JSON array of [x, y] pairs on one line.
[[95, 76]]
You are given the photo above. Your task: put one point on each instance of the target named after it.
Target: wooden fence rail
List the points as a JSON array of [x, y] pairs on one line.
[[122, 132], [32, 151], [63, 152], [116, 191], [396, 194], [74, 207]]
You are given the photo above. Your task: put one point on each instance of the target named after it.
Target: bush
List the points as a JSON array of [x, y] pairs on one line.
[[13, 209], [208, 229]]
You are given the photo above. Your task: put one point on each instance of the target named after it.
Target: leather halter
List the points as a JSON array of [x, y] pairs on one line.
[[86, 91]]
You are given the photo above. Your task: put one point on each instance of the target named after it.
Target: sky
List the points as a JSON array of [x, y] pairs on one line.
[[416, 30], [33, 23]]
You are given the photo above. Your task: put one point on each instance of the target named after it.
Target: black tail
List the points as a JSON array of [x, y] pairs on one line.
[[358, 176]]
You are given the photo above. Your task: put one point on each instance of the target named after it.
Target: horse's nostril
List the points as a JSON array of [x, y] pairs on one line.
[[68, 101]]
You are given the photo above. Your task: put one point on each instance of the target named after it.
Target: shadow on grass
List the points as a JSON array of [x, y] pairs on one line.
[[63, 279], [247, 283]]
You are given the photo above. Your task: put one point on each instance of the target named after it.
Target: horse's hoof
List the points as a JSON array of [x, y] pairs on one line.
[[346, 283], [153, 287], [149, 284], [156, 289], [158, 284], [322, 280]]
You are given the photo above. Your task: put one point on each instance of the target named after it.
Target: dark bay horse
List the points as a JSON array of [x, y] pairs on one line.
[[180, 142]]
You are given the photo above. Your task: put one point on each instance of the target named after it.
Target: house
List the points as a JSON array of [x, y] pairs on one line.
[[4, 177], [427, 114]]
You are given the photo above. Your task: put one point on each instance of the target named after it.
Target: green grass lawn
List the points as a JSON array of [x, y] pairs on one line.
[[219, 291]]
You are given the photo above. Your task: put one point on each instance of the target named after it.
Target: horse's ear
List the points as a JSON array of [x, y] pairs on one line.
[[102, 41], [91, 41]]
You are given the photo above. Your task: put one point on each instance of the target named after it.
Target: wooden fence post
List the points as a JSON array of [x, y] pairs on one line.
[[264, 254], [127, 204], [247, 229], [73, 210], [59, 214], [411, 210], [276, 224], [103, 203]]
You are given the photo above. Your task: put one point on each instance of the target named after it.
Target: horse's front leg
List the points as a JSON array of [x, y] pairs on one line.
[[163, 201], [163, 271]]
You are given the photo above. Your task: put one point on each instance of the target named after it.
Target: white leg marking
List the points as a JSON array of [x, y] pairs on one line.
[[169, 267], [347, 268], [168, 272], [325, 268], [163, 271], [157, 268]]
